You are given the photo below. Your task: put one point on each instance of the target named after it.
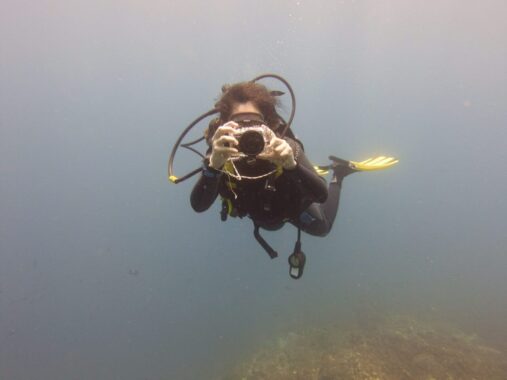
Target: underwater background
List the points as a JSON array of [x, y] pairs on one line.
[[105, 270]]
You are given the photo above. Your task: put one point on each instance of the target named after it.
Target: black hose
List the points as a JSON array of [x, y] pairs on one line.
[[292, 95], [170, 171]]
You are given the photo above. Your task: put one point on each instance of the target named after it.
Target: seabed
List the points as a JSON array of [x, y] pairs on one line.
[[391, 348]]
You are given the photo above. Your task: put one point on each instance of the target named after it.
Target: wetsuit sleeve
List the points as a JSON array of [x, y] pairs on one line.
[[306, 175], [206, 189]]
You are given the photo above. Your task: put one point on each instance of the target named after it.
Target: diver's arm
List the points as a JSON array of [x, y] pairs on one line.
[[306, 175], [222, 146], [206, 189]]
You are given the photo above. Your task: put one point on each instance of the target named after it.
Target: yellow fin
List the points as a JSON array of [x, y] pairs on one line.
[[374, 163], [320, 171]]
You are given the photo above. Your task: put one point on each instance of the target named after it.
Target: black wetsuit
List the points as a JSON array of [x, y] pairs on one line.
[[299, 196]]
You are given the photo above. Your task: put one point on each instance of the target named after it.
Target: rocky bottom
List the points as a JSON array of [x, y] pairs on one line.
[[397, 347]]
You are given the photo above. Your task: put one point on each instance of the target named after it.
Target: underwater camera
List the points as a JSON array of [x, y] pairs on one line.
[[253, 138]]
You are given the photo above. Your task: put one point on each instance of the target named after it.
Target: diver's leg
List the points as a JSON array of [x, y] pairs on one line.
[[330, 206], [313, 221], [318, 218]]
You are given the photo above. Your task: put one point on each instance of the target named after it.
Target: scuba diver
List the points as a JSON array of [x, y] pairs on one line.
[[260, 170]]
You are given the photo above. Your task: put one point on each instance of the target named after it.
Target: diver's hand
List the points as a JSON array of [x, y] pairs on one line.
[[279, 152], [222, 145]]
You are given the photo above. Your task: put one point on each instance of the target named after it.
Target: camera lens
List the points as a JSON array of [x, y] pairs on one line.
[[251, 143]]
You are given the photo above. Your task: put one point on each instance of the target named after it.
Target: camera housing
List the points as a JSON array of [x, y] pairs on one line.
[[253, 140]]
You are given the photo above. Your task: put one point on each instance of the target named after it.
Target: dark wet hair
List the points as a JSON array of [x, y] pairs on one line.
[[253, 92]]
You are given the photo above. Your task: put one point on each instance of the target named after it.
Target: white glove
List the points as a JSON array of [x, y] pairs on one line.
[[279, 152], [222, 145]]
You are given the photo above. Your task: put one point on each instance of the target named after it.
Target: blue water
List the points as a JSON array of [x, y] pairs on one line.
[[107, 273]]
